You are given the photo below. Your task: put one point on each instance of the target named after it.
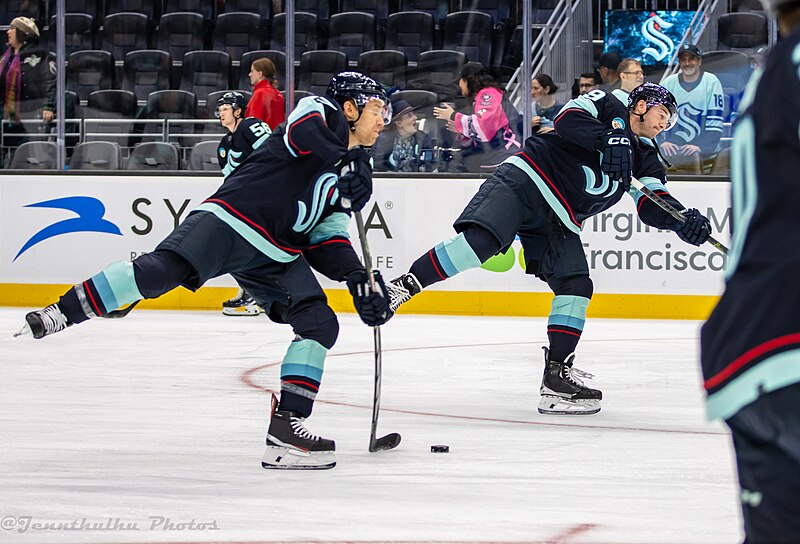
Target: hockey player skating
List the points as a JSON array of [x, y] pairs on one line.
[[275, 217], [751, 343], [544, 194], [244, 135]]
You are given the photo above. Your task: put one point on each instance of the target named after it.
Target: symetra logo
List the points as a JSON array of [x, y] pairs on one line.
[[651, 30], [90, 213]]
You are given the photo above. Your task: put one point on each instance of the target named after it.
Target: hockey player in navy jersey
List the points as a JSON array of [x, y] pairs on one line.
[[544, 194], [750, 345], [275, 217], [244, 135]]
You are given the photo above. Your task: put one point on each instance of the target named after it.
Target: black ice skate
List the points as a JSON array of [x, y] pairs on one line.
[[241, 304], [291, 446], [44, 322], [401, 289], [563, 391]]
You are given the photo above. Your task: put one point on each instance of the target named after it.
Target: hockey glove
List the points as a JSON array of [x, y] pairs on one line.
[[695, 230], [617, 161], [372, 306], [355, 177]]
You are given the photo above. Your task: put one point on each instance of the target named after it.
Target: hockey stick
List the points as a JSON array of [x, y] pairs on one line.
[[122, 312], [391, 440], [667, 207]]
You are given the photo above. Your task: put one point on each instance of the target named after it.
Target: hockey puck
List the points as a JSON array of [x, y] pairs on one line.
[[440, 449]]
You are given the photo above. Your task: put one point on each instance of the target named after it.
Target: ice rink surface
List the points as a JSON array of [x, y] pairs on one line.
[[151, 429]]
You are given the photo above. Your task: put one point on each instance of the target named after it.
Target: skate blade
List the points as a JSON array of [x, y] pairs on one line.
[[561, 406], [242, 311], [24, 331], [291, 459]]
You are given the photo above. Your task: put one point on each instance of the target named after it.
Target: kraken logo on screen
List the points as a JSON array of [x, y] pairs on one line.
[[651, 31]]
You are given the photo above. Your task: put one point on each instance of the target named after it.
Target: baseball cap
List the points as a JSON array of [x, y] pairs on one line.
[[470, 69], [690, 48], [610, 60]]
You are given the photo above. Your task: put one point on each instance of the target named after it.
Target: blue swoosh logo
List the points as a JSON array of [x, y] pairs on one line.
[[90, 213]]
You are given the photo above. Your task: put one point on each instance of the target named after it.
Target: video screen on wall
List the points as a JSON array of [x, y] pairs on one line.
[[647, 36]]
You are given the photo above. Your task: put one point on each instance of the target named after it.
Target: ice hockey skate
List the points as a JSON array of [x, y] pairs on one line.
[[291, 446], [401, 289], [45, 322], [241, 304], [563, 391]]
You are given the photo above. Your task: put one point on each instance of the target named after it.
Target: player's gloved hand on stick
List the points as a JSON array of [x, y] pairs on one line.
[[617, 162], [695, 230], [355, 177], [372, 306]]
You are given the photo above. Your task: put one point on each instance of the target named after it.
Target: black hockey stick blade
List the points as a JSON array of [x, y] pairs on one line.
[[667, 207], [122, 312], [384, 443]]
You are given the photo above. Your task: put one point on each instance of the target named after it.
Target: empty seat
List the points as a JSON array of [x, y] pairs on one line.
[[744, 31], [436, 8], [123, 33], [88, 71], [204, 72], [204, 157], [499, 10], [377, 8], [352, 33], [171, 105], [237, 33], [437, 71], [320, 8], [306, 33], [88, 7], [145, 7], [179, 33], [317, 68], [9, 9], [278, 58], [206, 8], [35, 156], [154, 156], [96, 156], [145, 72], [108, 115], [78, 32], [259, 7], [512, 56], [471, 33], [386, 67], [410, 32]]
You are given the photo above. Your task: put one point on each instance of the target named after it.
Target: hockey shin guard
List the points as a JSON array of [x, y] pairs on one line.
[[468, 249], [112, 288], [567, 314]]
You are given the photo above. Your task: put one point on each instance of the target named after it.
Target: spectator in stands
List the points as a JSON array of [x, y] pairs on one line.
[[607, 69], [544, 107], [267, 102], [588, 81], [694, 142], [401, 146], [488, 136], [27, 79], [631, 76]]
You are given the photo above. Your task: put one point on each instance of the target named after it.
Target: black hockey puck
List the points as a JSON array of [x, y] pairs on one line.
[[441, 448]]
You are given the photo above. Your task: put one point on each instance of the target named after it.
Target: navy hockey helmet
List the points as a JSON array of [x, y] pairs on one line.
[[355, 86], [655, 95], [235, 99]]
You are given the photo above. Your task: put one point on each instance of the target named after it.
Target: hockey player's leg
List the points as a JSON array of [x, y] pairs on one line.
[[468, 249], [289, 444], [117, 285], [562, 389]]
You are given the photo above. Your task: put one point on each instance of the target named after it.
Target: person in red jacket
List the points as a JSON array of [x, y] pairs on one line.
[[267, 102]]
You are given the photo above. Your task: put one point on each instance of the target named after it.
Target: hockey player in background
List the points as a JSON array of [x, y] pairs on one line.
[[544, 194], [275, 217], [244, 135], [751, 343]]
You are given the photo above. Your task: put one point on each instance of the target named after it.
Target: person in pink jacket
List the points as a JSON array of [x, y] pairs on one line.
[[488, 135]]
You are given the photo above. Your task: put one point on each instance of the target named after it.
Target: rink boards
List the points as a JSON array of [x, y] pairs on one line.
[[56, 230]]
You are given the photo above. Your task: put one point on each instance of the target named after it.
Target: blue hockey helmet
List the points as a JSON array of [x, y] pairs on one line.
[[355, 86], [655, 95], [234, 99]]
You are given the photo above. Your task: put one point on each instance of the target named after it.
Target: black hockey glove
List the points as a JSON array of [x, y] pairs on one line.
[[617, 162], [695, 230], [372, 307], [355, 177]]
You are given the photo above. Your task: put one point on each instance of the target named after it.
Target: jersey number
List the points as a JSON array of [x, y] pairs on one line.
[[595, 95], [260, 129]]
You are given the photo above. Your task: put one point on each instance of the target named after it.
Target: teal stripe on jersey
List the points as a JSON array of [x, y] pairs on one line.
[[116, 285], [568, 311], [551, 199], [335, 225], [456, 255], [245, 231], [304, 358], [582, 103], [654, 184], [769, 375]]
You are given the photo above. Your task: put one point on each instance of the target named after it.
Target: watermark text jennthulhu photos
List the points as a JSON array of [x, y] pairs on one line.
[[24, 524]]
